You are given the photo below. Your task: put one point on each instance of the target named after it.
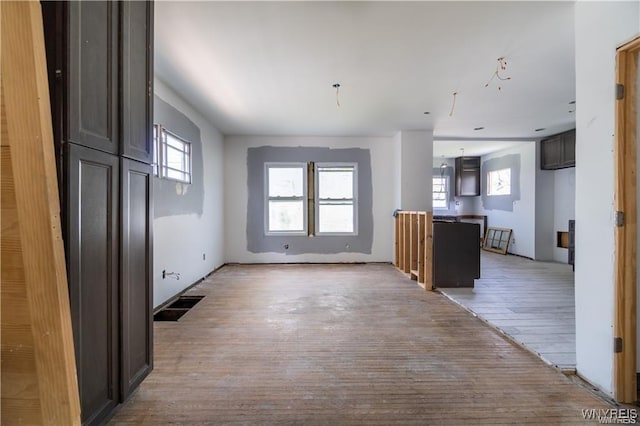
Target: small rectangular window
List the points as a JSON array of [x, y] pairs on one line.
[[175, 157], [440, 192], [286, 190], [336, 211], [499, 182]]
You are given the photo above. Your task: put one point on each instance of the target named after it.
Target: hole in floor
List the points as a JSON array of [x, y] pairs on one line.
[[177, 309]]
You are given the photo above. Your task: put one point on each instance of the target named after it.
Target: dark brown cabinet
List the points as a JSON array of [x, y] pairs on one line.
[[92, 265], [92, 75], [99, 58], [467, 176], [137, 78], [136, 273], [558, 151], [456, 254]]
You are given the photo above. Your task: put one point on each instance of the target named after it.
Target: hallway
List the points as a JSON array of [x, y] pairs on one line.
[[341, 344]]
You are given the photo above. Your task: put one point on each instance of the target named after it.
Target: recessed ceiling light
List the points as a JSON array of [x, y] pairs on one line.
[[540, 129], [572, 103], [478, 128], [426, 113]]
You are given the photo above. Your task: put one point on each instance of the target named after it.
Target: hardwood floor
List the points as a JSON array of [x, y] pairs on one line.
[[341, 344], [532, 302]]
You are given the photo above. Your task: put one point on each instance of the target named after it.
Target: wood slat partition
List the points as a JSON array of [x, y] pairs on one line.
[[39, 383], [413, 242]]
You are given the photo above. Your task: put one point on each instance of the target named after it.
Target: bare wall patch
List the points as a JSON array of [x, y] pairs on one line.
[[173, 198], [258, 242], [501, 202]]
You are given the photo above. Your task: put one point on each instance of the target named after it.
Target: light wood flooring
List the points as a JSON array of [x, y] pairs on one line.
[[532, 302], [342, 344]]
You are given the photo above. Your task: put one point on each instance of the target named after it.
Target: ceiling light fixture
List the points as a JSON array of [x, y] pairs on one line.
[[337, 87], [478, 128], [426, 113], [539, 129], [502, 66]]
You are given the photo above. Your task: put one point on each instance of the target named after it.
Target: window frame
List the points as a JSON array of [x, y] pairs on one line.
[[317, 199], [160, 169], [489, 194], [267, 198], [446, 191]]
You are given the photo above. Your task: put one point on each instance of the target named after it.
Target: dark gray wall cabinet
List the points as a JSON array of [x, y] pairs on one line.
[[99, 59], [558, 151], [467, 176]]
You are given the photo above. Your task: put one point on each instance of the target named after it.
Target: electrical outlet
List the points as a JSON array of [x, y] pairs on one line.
[[285, 246]]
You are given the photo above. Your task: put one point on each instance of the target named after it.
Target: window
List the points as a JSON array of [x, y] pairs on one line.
[[286, 193], [441, 192], [175, 157], [336, 195], [499, 182]]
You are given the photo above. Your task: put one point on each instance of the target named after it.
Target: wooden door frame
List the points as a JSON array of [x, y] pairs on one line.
[[625, 281]]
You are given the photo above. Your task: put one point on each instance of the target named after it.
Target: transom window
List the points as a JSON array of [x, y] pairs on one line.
[[499, 182], [286, 190], [440, 192], [336, 195]]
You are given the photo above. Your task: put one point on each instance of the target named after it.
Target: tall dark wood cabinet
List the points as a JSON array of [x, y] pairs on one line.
[[100, 66], [92, 211]]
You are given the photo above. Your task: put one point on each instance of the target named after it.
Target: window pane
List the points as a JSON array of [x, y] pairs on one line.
[[335, 182], [335, 218], [440, 193], [175, 174], [286, 182], [499, 182], [175, 159], [174, 142], [286, 215]]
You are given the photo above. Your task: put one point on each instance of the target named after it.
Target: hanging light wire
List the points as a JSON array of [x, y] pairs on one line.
[[453, 104], [501, 66], [337, 87]]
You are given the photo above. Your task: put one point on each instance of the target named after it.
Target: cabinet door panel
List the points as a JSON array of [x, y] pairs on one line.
[[136, 274], [551, 153], [93, 75], [92, 262], [137, 77], [569, 146]]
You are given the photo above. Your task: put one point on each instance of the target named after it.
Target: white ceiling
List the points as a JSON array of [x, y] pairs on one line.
[[267, 68], [473, 148]]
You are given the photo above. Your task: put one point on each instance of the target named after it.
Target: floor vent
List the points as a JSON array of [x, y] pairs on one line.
[[177, 309]]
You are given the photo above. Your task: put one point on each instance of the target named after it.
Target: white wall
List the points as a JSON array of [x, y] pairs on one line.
[[600, 28], [416, 155], [545, 196], [564, 207], [522, 219], [384, 176], [179, 241]]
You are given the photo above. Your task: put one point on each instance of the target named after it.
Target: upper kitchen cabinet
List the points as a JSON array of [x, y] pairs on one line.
[[467, 176], [558, 151]]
